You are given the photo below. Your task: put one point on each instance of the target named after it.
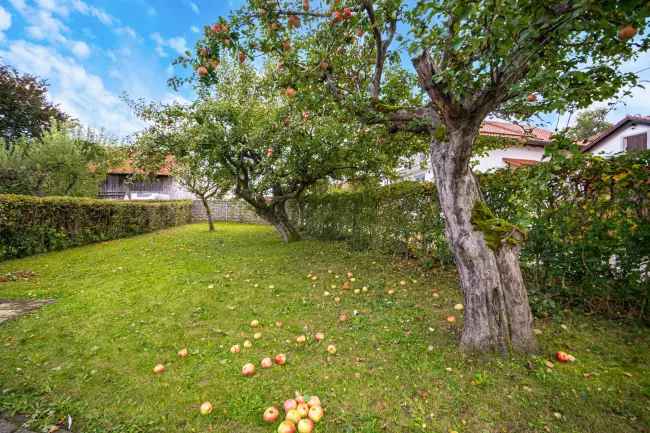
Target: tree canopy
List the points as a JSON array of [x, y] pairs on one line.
[[66, 160], [271, 148], [588, 124], [24, 108]]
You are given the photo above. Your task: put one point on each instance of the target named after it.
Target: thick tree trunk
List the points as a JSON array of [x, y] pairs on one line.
[[497, 313], [277, 216], [208, 212]]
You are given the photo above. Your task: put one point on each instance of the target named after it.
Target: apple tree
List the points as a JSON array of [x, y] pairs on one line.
[[469, 59], [269, 148]]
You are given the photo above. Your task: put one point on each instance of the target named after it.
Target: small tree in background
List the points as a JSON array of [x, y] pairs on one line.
[[588, 124], [66, 160], [201, 178], [471, 59], [25, 111]]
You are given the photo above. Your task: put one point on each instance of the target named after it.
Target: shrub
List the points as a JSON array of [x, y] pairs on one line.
[[401, 219], [588, 222], [31, 225]]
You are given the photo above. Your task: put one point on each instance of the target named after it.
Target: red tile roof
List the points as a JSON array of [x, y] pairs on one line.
[[532, 135], [606, 133], [516, 162]]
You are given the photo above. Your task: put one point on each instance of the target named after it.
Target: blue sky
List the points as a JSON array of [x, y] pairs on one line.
[[93, 51]]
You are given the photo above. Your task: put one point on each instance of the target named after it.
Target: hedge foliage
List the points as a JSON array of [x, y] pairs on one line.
[[587, 218], [31, 225], [588, 222], [401, 219]]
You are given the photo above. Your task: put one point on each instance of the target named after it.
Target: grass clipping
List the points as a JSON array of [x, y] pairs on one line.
[[496, 231]]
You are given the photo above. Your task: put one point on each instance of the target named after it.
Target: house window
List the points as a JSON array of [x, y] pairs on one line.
[[420, 178], [636, 143]]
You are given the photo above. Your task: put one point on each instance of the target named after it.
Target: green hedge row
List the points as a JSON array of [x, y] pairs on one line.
[[400, 219], [31, 225], [588, 223]]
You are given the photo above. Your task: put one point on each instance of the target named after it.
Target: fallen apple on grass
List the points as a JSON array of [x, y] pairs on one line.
[[564, 357], [248, 370], [289, 405], [271, 414], [287, 427], [331, 349], [319, 336], [255, 323], [159, 368], [303, 409], [305, 426], [206, 408], [451, 319], [315, 413], [301, 339], [266, 363], [235, 349], [248, 344], [313, 401], [183, 353], [280, 359], [293, 415], [257, 335]]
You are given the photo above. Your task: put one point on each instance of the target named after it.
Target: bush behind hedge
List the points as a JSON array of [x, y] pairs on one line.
[[31, 225]]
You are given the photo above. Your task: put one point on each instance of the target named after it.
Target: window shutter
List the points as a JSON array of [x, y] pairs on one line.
[[636, 143]]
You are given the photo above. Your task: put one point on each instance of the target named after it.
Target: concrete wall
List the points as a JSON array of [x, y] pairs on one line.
[[226, 210]]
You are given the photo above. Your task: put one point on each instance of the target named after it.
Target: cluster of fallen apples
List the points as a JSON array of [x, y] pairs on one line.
[[300, 415], [248, 369]]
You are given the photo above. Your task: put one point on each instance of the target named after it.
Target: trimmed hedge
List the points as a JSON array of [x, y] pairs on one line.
[[588, 223], [401, 219], [31, 225]]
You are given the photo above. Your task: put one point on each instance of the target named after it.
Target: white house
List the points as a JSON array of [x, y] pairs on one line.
[[529, 151], [630, 134]]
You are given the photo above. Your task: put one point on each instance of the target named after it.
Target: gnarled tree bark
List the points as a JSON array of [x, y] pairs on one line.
[[497, 313], [276, 215]]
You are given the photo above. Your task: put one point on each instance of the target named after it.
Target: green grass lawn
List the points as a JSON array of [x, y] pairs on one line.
[[124, 306]]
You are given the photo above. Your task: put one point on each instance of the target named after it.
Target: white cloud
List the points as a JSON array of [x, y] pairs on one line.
[[126, 30], [178, 44], [5, 22], [160, 44], [80, 49], [79, 92], [195, 8], [195, 29]]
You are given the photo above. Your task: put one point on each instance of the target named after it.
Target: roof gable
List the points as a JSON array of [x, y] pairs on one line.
[[645, 120]]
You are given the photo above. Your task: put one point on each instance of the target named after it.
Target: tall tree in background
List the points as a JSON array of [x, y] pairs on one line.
[[24, 108], [588, 124], [471, 59]]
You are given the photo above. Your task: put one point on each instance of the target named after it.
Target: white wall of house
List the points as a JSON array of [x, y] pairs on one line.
[[494, 158], [419, 169], [614, 143]]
